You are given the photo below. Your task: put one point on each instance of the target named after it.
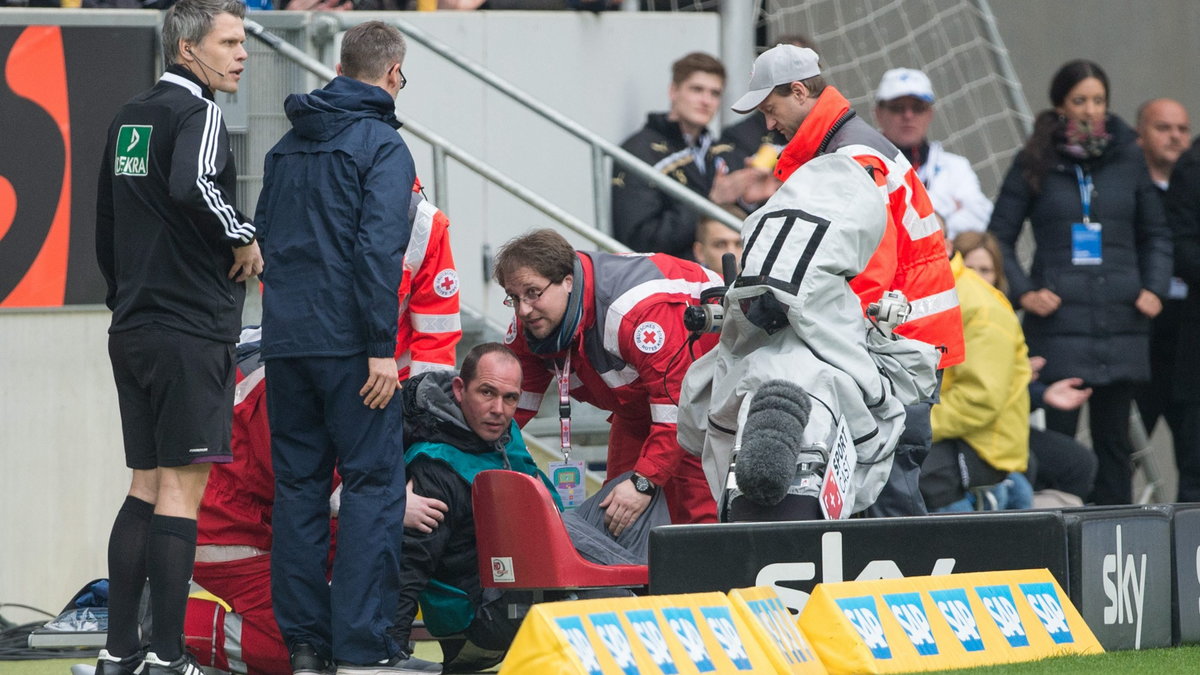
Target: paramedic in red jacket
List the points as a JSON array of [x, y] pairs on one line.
[[612, 327], [787, 87], [429, 327]]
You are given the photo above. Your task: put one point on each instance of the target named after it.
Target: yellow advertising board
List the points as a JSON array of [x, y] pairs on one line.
[[652, 635], [933, 623], [776, 630]]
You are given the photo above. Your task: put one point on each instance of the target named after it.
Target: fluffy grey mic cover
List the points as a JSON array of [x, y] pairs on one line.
[[771, 441]]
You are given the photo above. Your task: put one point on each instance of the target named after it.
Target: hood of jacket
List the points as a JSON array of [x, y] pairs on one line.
[[432, 415], [324, 113], [831, 110]]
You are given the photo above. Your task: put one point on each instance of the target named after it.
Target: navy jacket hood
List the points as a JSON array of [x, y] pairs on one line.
[[334, 224], [324, 113]]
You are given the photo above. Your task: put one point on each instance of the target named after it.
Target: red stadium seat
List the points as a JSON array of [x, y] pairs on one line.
[[523, 544]]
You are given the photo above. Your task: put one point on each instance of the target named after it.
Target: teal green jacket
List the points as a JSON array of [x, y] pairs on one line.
[[446, 609]]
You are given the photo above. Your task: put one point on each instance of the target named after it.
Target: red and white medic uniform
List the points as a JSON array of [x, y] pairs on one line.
[[628, 356]]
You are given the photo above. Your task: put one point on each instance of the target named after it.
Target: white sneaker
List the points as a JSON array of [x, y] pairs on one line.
[[403, 663]]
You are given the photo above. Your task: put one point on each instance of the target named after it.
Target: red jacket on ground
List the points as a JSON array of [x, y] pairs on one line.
[[628, 357], [912, 256], [236, 507]]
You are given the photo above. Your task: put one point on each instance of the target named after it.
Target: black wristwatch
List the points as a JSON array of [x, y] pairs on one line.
[[643, 484]]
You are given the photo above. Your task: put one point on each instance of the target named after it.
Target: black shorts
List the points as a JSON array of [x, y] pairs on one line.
[[176, 396]]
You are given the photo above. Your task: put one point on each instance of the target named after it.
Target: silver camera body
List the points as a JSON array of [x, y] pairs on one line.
[[892, 310]]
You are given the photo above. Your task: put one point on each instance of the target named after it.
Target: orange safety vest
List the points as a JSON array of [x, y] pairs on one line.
[[912, 256]]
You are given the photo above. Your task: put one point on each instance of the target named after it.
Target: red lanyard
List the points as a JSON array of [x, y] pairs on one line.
[[564, 405]]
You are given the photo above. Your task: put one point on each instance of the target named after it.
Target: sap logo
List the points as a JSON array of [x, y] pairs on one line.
[[862, 615], [645, 627], [999, 604], [773, 616], [955, 608], [1125, 588], [573, 628], [721, 623], [832, 571], [613, 636], [868, 626], [1045, 604], [910, 614], [684, 626]]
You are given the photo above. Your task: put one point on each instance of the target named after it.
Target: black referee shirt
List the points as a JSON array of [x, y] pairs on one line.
[[165, 220]]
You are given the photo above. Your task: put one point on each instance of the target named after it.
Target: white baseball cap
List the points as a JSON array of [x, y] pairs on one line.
[[899, 82], [778, 65]]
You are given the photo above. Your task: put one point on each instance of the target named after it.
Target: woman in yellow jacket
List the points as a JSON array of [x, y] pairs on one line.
[[981, 424]]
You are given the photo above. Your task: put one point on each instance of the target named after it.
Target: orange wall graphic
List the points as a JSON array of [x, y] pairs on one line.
[[36, 71], [60, 87]]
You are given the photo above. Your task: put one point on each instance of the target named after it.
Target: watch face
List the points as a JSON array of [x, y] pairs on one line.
[[642, 484]]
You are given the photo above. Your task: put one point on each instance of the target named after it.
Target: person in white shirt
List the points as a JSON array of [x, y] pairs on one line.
[[903, 113]]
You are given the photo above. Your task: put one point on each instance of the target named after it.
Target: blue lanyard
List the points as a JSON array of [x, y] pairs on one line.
[[1085, 192]]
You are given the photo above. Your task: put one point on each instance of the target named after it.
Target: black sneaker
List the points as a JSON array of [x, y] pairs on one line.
[[306, 661], [462, 656], [107, 664], [400, 664], [184, 665]]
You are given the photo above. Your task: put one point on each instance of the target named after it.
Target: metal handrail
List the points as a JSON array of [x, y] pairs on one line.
[[1012, 82], [598, 144], [444, 148]]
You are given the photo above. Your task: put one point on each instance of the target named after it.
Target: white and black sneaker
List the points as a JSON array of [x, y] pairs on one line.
[[107, 664], [403, 663], [184, 665]]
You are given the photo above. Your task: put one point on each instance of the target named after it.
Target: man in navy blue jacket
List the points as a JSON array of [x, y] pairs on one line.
[[333, 221]]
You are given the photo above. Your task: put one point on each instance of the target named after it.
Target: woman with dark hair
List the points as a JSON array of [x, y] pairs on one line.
[[1101, 261]]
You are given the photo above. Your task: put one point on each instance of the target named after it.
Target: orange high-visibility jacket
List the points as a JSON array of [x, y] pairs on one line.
[[912, 256]]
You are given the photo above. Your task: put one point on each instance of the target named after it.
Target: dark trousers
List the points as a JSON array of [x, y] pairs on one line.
[[1059, 462], [1108, 417], [901, 496], [1160, 399], [318, 420], [1183, 418]]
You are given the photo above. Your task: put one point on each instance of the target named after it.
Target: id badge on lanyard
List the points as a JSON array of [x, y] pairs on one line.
[[1086, 239], [567, 476]]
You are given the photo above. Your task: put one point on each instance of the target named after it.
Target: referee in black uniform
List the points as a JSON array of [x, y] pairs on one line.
[[175, 254]]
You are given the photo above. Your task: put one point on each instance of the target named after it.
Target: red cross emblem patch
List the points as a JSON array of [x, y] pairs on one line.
[[445, 283], [649, 337]]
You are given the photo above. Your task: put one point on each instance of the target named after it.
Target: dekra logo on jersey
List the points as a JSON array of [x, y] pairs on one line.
[[133, 150]]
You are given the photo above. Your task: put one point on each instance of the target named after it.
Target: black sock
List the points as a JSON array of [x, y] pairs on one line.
[[169, 559], [127, 575]]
